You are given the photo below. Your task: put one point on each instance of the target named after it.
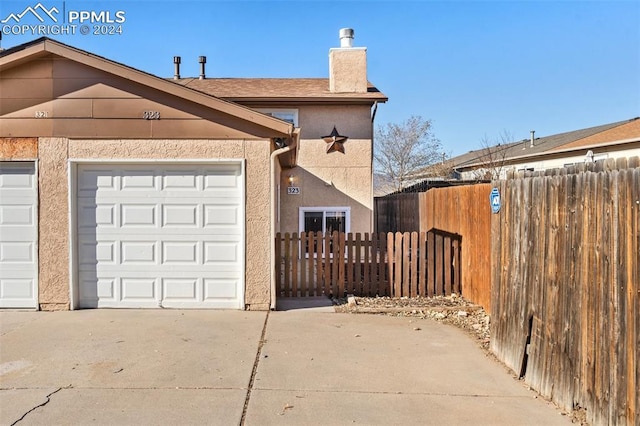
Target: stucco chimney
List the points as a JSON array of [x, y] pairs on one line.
[[347, 65]]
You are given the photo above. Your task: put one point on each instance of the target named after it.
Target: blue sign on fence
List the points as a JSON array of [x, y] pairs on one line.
[[494, 198]]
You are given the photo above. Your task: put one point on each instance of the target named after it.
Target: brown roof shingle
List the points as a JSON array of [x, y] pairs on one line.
[[630, 130], [246, 89], [522, 149]]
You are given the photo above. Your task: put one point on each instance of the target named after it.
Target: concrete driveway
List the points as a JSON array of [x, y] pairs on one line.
[[214, 367]]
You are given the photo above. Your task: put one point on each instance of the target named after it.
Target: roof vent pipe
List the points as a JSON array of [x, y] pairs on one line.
[[202, 60], [176, 62], [533, 137], [346, 37]]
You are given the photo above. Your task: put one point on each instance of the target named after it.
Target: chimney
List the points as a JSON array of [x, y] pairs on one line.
[[176, 63], [346, 37], [533, 138], [202, 60], [347, 66]]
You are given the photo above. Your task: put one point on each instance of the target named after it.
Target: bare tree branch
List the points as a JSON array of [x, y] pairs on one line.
[[493, 156], [401, 150]]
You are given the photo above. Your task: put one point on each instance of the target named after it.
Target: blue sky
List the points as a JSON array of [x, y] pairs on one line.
[[475, 68]]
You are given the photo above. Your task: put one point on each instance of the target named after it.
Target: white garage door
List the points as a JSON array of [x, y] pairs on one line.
[[160, 236], [18, 236]]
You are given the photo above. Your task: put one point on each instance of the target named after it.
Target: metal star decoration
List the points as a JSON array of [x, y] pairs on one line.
[[335, 141]]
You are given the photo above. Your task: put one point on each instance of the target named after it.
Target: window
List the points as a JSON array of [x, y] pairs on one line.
[[290, 115], [325, 219]]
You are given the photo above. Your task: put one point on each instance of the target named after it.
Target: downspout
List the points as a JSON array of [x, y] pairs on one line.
[[374, 224], [274, 155]]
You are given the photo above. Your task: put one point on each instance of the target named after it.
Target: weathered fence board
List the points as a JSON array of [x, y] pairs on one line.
[[397, 265], [565, 287]]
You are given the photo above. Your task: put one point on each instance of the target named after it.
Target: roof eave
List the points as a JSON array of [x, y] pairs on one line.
[[306, 100]]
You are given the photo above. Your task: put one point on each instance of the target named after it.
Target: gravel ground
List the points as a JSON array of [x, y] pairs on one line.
[[447, 309]]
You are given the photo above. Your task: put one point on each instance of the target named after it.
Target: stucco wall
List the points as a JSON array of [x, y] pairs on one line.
[[54, 232], [316, 121], [53, 224], [331, 179], [15, 149]]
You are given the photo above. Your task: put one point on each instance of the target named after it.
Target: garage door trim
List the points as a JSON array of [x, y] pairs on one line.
[[73, 215]]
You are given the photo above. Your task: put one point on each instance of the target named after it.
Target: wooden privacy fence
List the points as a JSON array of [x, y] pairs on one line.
[[379, 264], [565, 288], [465, 210]]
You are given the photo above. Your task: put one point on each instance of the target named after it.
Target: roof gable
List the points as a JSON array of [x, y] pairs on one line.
[[46, 75]]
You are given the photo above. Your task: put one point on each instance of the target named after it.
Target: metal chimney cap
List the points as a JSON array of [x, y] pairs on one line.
[[202, 59], [176, 59], [346, 37]]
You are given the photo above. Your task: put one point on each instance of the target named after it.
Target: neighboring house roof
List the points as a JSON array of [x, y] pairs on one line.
[[549, 144], [629, 131], [264, 125], [278, 89]]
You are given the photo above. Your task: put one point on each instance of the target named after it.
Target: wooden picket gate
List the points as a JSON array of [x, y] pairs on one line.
[[378, 264]]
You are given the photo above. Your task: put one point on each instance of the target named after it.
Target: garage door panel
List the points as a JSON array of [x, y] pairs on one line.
[[136, 288], [138, 252], [17, 177], [92, 180], [16, 252], [135, 180], [93, 288], [221, 215], [16, 289], [18, 235], [182, 180], [91, 253], [159, 235], [90, 215], [220, 288], [181, 215], [138, 215], [221, 252], [181, 252], [182, 289], [16, 214]]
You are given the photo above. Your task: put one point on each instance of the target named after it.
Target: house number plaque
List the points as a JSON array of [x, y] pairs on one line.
[[293, 190], [151, 115]]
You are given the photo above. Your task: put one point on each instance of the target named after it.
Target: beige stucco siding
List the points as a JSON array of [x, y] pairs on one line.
[[54, 221], [330, 179], [16, 149], [317, 121]]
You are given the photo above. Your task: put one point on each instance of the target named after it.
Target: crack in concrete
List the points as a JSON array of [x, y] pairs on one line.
[[37, 406], [253, 372]]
